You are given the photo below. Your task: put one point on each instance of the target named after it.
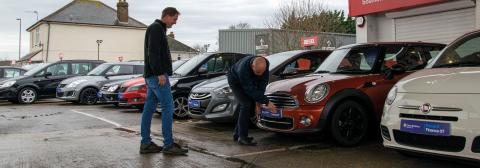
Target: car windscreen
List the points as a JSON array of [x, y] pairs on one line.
[[348, 60], [464, 54], [37, 69], [99, 70], [188, 66], [276, 60], [177, 64]]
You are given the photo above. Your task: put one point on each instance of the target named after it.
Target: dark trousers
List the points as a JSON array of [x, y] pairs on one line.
[[245, 109]]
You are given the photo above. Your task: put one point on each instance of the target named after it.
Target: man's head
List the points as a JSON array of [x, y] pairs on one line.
[[170, 16], [259, 65]]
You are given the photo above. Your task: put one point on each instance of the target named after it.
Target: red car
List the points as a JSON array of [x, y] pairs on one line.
[[133, 93], [345, 96]]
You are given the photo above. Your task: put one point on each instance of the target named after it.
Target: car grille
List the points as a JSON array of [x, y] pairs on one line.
[[441, 143], [197, 111], [283, 100], [200, 95], [429, 117], [277, 123]]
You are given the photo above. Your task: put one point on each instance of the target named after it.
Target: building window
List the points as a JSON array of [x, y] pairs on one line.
[[37, 37]]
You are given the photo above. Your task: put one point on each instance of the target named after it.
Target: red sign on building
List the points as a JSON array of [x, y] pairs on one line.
[[364, 7], [309, 41]]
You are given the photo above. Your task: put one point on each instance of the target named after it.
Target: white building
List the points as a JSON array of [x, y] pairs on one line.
[[439, 21], [72, 32]]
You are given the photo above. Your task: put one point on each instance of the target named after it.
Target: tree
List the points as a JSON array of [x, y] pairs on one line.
[[311, 15], [241, 25], [201, 47]]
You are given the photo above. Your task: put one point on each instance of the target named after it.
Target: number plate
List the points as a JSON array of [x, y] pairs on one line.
[[425, 127], [120, 96], [268, 113], [193, 103]]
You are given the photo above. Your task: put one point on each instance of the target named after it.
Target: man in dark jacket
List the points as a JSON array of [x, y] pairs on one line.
[[248, 79], [158, 66]]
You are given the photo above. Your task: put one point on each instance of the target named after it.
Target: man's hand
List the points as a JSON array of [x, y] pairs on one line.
[[162, 80], [271, 107]]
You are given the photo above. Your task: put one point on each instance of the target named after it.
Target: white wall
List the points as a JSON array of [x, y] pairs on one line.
[[79, 42], [385, 28]]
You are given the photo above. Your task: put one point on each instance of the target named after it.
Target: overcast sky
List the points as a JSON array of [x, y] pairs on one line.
[[198, 24]]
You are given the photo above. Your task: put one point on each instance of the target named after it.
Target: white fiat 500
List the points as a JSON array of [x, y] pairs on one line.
[[437, 110]]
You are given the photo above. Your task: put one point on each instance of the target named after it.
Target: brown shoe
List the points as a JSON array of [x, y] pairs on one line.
[[175, 149], [150, 148]]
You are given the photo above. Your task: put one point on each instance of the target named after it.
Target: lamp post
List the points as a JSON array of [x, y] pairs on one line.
[[36, 13], [19, 39], [98, 48]]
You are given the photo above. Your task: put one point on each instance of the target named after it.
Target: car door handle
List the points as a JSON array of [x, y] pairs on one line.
[[369, 84]]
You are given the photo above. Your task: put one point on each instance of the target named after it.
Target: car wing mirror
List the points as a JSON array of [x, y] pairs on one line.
[[48, 74], [202, 70], [289, 72]]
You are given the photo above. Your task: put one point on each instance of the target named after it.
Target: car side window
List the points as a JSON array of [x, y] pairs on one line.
[[411, 59], [58, 69], [120, 70], [390, 59], [81, 68], [139, 69], [224, 62], [304, 64], [11, 73]]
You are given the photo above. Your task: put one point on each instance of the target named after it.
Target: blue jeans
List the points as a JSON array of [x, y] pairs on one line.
[[157, 94]]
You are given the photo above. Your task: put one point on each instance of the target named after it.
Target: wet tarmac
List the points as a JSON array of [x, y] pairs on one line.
[[58, 134]]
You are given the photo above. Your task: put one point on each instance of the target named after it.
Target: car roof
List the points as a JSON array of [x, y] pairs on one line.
[[11, 67], [80, 60], [392, 43], [124, 63]]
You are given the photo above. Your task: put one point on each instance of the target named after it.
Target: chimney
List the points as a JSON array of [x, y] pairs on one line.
[[171, 35], [122, 11]]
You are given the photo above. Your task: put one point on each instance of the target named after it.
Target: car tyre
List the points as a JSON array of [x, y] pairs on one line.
[[349, 124], [180, 107], [88, 96], [27, 95]]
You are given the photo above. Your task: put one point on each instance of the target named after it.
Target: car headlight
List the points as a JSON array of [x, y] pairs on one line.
[[392, 95], [7, 84], [223, 91], [74, 84], [317, 93], [173, 82], [135, 88], [112, 88]]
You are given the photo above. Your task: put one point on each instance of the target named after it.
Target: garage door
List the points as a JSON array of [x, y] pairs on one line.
[[443, 27]]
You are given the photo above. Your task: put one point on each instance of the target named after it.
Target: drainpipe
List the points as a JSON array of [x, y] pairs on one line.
[[48, 41]]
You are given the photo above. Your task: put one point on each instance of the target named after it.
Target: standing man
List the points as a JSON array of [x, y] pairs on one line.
[[248, 79], [158, 66]]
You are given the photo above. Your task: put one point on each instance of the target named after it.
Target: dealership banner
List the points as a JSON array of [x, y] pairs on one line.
[[364, 7]]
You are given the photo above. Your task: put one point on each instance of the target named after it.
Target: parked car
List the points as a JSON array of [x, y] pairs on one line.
[[31, 66], [109, 93], [84, 89], [7, 72], [436, 111], [41, 81], [345, 95], [213, 99], [196, 70]]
